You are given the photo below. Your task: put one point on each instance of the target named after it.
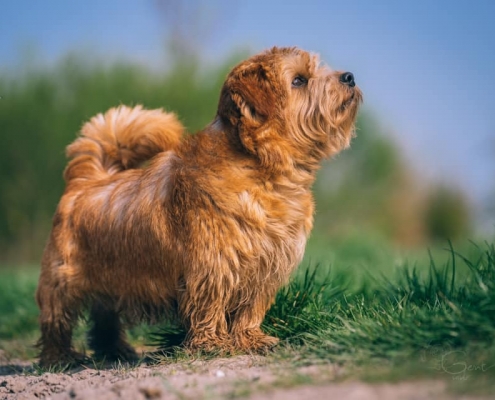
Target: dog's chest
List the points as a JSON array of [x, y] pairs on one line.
[[279, 223], [273, 210]]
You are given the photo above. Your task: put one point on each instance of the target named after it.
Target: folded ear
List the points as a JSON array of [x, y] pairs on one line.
[[249, 102], [247, 98], [253, 92]]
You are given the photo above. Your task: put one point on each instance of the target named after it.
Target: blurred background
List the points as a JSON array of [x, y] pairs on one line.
[[419, 172]]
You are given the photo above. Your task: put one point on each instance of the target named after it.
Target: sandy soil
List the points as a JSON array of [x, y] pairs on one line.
[[250, 377]]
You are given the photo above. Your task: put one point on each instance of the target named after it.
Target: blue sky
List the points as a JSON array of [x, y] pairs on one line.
[[427, 68]]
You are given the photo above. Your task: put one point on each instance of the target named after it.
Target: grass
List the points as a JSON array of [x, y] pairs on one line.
[[18, 312], [372, 311], [427, 321]]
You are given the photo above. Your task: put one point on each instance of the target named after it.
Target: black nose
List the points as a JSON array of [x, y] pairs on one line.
[[347, 79]]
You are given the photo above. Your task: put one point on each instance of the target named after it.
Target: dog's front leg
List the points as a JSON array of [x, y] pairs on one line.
[[202, 307], [245, 328]]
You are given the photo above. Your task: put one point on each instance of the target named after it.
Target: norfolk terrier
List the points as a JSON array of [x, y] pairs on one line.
[[207, 227]]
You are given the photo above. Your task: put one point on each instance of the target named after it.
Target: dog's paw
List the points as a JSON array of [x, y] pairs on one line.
[[217, 345], [62, 360], [122, 352], [255, 341]]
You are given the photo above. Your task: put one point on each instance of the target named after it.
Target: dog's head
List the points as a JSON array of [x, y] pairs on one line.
[[288, 109]]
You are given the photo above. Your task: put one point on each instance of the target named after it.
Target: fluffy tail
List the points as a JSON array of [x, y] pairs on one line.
[[121, 139]]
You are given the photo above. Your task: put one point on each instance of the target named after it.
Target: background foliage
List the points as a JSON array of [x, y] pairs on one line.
[[366, 189]]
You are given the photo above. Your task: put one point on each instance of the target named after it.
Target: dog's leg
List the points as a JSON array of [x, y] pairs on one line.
[[107, 337], [245, 328], [59, 310], [203, 312]]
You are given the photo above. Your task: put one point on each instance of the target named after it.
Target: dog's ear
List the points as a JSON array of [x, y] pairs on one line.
[[248, 103], [250, 92], [253, 92], [247, 100]]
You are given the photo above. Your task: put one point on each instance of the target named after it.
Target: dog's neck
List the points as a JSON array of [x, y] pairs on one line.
[[227, 140]]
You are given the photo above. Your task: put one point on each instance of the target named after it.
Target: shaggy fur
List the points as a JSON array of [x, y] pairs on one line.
[[209, 228]]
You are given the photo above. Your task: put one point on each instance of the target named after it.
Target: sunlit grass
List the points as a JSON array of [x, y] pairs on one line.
[[434, 320]]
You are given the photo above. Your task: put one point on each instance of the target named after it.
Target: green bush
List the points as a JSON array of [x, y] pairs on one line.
[[447, 215]]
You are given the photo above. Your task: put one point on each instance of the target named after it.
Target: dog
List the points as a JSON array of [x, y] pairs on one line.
[[206, 227]]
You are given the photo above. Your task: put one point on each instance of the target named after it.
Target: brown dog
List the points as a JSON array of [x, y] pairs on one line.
[[210, 228]]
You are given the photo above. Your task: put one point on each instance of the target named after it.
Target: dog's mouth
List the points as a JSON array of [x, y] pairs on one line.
[[348, 102], [354, 98]]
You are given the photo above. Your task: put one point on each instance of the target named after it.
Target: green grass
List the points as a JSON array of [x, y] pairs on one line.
[[434, 320], [371, 310], [18, 311]]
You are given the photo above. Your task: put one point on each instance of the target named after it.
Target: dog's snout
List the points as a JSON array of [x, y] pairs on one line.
[[347, 78]]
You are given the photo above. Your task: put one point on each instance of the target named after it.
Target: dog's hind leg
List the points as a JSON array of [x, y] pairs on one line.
[[107, 337], [60, 306]]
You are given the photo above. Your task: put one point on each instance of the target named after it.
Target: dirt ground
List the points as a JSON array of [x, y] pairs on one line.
[[251, 377]]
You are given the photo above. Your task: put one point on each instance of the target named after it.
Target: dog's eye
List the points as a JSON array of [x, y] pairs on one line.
[[299, 81]]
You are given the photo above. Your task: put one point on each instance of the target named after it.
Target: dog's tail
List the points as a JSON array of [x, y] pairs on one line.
[[123, 138]]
